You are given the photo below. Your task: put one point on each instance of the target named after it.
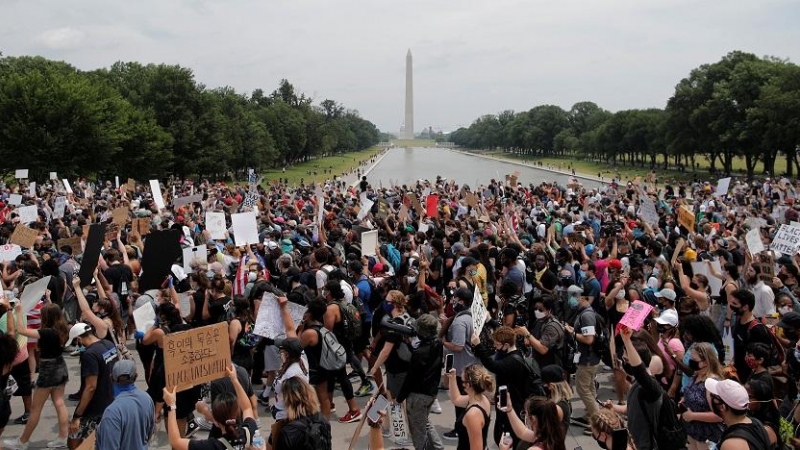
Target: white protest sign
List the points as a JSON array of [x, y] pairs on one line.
[[753, 239], [245, 229], [722, 187], [67, 186], [269, 321], [786, 240], [215, 224], [366, 206], [33, 293], [9, 252], [28, 214], [479, 311], [423, 227], [116, 182], [701, 268], [15, 199], [647, 211], [155, 187], [59, 207], [184, 301], [369, 240], [320, 205], [32, 188], [53, 175], [21, 173], [192, 254], [145, 315]]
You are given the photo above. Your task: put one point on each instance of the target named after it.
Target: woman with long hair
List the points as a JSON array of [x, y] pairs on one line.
[[226, 410], [700, 422], [696, 288], [542, 430], [53, 374], [303, 418], [762, 407], [294, 365], [103, 315], [240, 334], [658, 363], [216, 300], [473, 425], [603, 425], [696, 329]]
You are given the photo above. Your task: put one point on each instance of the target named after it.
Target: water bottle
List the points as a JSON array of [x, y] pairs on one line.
[[258, 441]]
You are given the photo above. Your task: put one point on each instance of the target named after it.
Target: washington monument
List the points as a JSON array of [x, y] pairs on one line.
[[408, 129]]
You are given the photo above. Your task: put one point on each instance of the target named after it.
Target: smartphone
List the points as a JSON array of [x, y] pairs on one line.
[[381, 403], [502, 393], [448, 362], [619, 438]]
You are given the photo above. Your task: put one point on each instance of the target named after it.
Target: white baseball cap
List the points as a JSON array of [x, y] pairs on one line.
[[731, 392], [79, 329]]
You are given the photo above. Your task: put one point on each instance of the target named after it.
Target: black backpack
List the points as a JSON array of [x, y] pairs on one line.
[[670, 434], [601, 344], [534, 376]]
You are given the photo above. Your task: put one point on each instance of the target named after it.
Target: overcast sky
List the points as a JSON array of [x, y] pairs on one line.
[[470, 57]]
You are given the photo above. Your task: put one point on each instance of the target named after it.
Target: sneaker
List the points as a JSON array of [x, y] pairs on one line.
[[76, 397], [333, 408], [191, 427], [580, 421], [263, 401], [451, 435], [15, 444], [203, 423], [436, 408], [58, 443], [587, 432], [353, 375], [403, 442], [365, 390], [351, 416], [386, 432], [22, 420]]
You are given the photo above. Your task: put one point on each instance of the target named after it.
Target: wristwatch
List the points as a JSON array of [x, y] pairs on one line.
[[169, 407]]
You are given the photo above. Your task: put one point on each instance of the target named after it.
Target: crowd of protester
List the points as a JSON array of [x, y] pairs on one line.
[[715, 364]]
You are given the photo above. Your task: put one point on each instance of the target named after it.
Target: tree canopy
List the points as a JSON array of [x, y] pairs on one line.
[[155, 120], [741, 106]]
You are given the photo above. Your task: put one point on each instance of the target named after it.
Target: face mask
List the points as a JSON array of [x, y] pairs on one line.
[[473, 272], [784, 309], [388, 307], [539, 314], [458, 307], [502, 351], [210, 274], [411, 280], [694, 365], [693, 285], [716, 408], [797, 354], [252, 276], [573, 302], [621, 294], [750, 360], [735, 310]]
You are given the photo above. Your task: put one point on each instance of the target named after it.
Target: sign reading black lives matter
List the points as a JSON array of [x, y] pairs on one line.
[[197, 356], [786, 240]]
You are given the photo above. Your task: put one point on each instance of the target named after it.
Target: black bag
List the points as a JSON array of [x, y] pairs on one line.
[[670, 434]]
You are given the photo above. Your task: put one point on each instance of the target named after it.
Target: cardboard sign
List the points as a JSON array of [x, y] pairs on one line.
[[33, 293], [144, 317], [88, 443], [677, 251], [158, 198], [786, 240], [472, 200], [369, 240], [722, 187], [192, 254], [142, 225], [28, 214], [24, 236], [245, 229], [479, 312], [67, 186], [59, 207], [432, 205], [91, 254], [416, 204], [131, 185], [111, 232], [269, 320], [647, 210], [120, 215], [215, 224], [74, 243], [686, 218], [767, 267], [635, 316], [14, 199], [197, 356], [402, 215], [9, 252], [181, 201], [21, 174], [753, 240], [162, 248]]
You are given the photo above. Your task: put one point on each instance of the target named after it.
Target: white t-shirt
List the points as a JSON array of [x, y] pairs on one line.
[[293, 371]]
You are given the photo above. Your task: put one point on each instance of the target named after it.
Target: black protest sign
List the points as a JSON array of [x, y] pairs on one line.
[[161, 250], [91, 253]]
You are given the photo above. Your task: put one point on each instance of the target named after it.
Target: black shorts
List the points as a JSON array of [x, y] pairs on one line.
[[317, 376], [22, 373], [5, 411]]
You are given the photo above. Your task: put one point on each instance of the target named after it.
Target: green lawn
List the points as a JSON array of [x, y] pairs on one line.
[[338, 163], [414, 142]]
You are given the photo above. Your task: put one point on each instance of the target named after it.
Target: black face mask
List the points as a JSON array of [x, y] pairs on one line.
[[693, 285], [715, 408], [735, 310], [694, 365]]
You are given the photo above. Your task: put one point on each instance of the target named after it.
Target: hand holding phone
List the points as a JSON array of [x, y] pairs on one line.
[[502, 400], [380, 404], [448, 362]]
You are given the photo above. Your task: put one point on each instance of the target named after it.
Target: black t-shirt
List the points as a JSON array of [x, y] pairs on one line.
[[49, 343], [119, 276], [295, 434], [743, 336], [216, 308], [394, 364], [98, 360], [240, 443]]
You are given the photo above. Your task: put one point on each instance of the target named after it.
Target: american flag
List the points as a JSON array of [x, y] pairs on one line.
[[240, 281]]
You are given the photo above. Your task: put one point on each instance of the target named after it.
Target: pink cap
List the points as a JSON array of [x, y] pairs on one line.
[[731, 392]]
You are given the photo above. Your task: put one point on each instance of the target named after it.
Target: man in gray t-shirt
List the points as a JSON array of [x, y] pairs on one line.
[[588, 360], [458, 336]]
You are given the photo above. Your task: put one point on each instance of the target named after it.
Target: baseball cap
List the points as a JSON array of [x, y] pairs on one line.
[[790, 320], [668, 294], [552, 374], [124, 372], [731, 392], [291, 345], [575, 290], [377, 268], [668, 317], [79, 329]]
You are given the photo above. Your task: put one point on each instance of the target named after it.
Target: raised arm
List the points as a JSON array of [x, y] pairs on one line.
[[100, 325]]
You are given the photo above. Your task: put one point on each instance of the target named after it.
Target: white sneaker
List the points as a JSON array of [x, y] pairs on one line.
[[58, 443], [15, 444], [402, 442], [436, 408]]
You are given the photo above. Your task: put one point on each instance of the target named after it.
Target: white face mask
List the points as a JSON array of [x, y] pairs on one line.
[[252, 276], [785, 309], [621, 294], [539, 314]]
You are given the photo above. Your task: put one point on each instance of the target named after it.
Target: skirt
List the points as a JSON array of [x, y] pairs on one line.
[[52, 373]]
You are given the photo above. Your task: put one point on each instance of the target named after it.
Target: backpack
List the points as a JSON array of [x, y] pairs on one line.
[[670, 434], [534, 376], [565, 356], [248, 339], [318, 435], [778, 352], [332, 354], [601, 339], [351, 320]]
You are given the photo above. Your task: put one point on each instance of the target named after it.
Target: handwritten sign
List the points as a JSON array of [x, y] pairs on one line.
[[142, 226], [120, 215], [9, 252], [33, 293], [686, 218], [269, 320], [67, 186], [181, 201], [245, 229], [59, 207], [786, 240], [215, 224], [196, 356], [74, 243], [24, 236], [28, 214], [647, 210], [722, 187], [131, 185], [635, 316], [53, 175], [14, 199], [753, 239], [479, 312], [369, 240]]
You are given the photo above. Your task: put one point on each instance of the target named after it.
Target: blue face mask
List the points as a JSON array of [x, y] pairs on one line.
[[572, 301], [388, 307], [120, 388]]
